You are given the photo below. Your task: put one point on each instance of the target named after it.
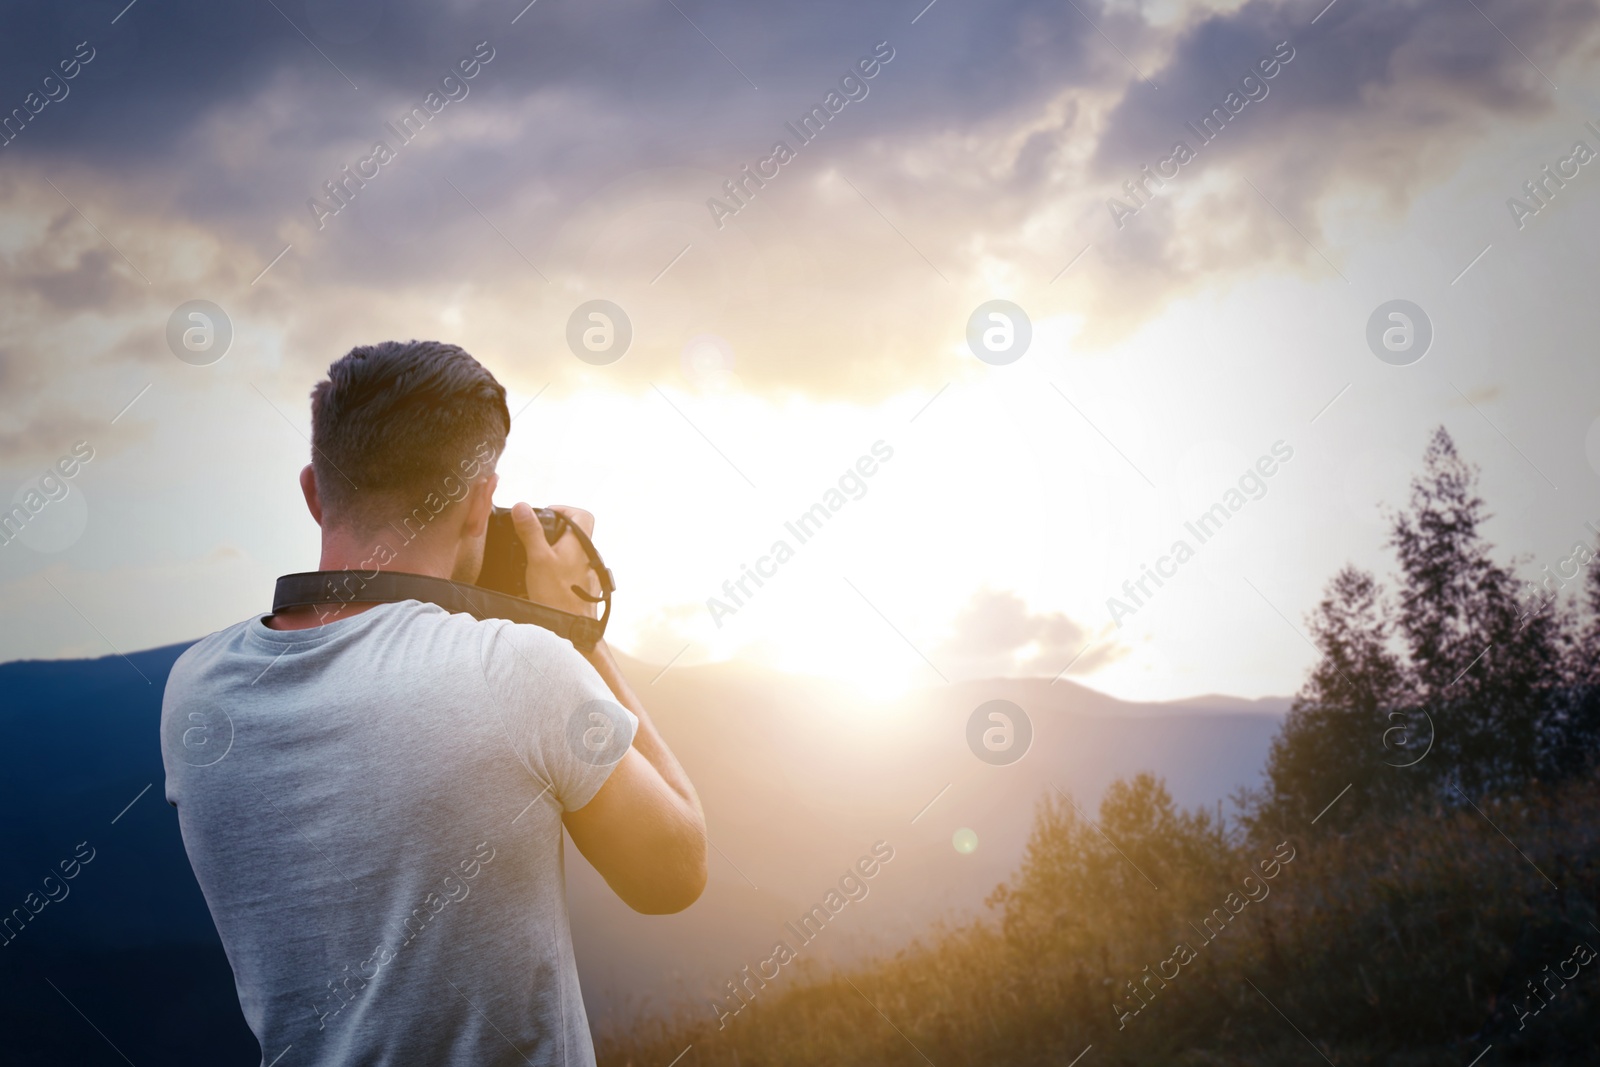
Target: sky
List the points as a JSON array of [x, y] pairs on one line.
[[1176, 321]]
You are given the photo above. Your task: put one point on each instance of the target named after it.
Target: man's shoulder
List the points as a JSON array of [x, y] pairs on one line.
[[491, 637], [207, 648], [503, 637]]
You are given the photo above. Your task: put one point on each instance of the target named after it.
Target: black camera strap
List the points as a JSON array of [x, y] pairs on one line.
[[608, 583], [309, 588]]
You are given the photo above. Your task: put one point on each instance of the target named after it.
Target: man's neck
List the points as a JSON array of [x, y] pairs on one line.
[[385, 548]]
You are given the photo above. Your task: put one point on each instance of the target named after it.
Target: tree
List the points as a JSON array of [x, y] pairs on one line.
[[1350, 724], [1118, 880], [1480, 670], [1457, 689], [1572, 732]]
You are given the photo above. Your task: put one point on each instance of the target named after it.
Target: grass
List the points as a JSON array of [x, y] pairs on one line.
[[1406, 941]]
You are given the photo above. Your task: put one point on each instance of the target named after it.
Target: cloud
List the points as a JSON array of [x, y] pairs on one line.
[[581, 161], [1387, 96], [995, 635], [42, 438]]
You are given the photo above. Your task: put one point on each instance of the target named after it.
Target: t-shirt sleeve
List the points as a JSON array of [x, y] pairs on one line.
[[562, 721]]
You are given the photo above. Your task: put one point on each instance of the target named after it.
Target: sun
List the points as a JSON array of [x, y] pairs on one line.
[[875, 664]]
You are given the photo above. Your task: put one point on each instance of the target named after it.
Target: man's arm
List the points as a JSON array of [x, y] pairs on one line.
[[644, 831], [648, 741]]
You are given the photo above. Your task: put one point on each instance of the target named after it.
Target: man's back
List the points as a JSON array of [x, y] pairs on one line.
[[373, 810]]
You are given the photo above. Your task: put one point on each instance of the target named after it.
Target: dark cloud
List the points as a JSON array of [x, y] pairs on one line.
[[88, 283], [636, 81], [1441, 58], [1388, 96], [228, 119], [584, 153], [40, 437], [164, 66]]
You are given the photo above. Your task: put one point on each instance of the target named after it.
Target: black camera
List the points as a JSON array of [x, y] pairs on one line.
[[505, 561]]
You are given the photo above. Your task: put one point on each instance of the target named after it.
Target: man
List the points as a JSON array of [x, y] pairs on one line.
[[372, 796]]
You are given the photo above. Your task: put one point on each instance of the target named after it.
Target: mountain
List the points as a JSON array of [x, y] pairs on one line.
[[800, 777]]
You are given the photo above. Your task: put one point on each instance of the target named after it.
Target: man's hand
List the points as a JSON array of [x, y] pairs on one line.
[[554, 569]]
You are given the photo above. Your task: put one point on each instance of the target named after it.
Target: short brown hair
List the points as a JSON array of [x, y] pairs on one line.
[[393, 420]]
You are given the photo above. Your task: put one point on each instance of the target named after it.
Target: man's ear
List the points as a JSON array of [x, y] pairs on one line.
[[308, 486], [480, 502]]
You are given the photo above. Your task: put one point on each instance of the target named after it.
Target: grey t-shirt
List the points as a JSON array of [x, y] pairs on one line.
[[372, 808]]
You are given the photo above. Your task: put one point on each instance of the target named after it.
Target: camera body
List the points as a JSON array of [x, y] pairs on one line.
[[505, 561]]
